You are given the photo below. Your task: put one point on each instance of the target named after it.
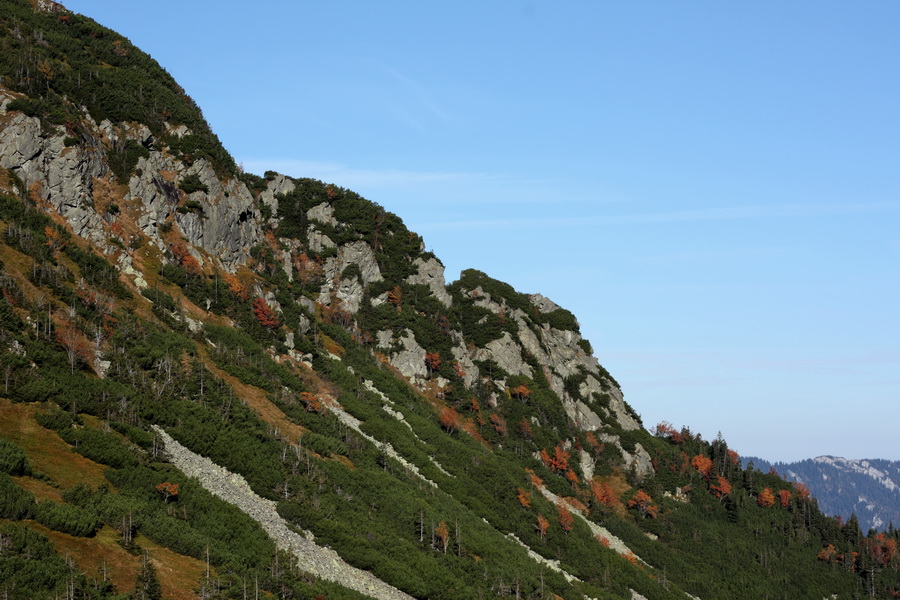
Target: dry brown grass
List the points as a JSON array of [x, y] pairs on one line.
[[179, 575], [97, 554], [40, 489], [46, 451], [257, 400]]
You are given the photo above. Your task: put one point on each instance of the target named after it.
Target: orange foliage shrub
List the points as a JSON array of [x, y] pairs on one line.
[[395, 296], [644, 503], [498, 423], [603, 494], [721, 488], [521, 392], [168, 490], [766, 498], [802, 491], [525, 429], [703, 464], [560, 460], [524, 498], [235, 286], [566, 521], [265, 314], [313, 404], [433, 361], [443, 536], [784, 496], [449, 419], [542, 525], [185, 259]]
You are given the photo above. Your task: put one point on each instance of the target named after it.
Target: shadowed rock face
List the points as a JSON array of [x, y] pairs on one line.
[[64, 176]]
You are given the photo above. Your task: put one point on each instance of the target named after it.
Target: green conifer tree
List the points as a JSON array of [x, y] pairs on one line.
[[147, 585]]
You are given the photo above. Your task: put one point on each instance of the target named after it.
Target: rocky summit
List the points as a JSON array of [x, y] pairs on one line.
[[218, 384]]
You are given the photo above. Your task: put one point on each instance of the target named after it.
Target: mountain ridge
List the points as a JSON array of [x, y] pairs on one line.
[[864, 488], [455, 441]]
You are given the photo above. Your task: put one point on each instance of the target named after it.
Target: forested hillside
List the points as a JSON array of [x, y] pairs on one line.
[[225, 385], [866, 490]]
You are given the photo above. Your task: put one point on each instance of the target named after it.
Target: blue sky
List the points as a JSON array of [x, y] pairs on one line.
[[712, 188]]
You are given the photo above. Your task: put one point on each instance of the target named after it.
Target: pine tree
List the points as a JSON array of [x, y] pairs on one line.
[[147, 585]]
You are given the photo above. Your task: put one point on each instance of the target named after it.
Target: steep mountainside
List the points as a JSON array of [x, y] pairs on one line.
[[221, 385], [844, 487]]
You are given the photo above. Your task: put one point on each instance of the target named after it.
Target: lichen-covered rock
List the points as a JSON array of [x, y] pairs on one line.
[[349, 290], [323, 213], [318, 241], [431, 273], [227, 219], [410, 360], [507, 354], [275, 187], [60, 175]]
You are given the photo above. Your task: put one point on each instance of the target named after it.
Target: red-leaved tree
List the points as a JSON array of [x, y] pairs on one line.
[[265, 314], [566, 521]]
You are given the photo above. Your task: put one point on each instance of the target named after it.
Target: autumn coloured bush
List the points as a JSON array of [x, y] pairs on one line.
[[765, 498], [564, 515], [703, 465], [449, 419], [265, 314], [185, 259], [721, 488], [523, 497], [644, 504], [603, 494]]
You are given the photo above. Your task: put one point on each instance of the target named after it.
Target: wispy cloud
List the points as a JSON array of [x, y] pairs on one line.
[[782, 211], [422, 94], [369, 178]]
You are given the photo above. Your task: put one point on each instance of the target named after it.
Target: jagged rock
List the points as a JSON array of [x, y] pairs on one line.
[[410, 361], [638, 461], [20, 142], [349, 290], [323, 213], [506, 353], [5, 98], [461, 355], [431, 273], [318, 241], [543, 304], [178, 131], [108, 130], [226, 222], [587, 464], [274, 187], [616, 402], [63, 175]]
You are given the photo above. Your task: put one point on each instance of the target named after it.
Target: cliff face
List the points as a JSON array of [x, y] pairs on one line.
[[220, 220]]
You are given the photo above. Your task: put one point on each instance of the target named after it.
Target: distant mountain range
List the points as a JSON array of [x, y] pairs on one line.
[[843, 487]]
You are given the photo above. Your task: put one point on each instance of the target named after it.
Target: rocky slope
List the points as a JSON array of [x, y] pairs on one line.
[[252, 357]]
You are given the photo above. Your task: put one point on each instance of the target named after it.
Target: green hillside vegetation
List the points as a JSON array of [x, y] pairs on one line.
[[253, 370], [64, 61]]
